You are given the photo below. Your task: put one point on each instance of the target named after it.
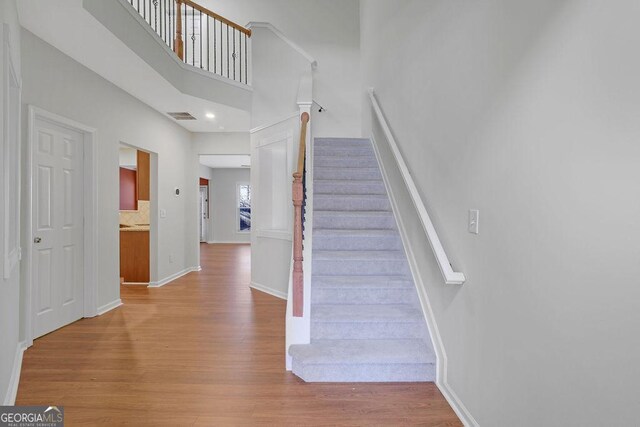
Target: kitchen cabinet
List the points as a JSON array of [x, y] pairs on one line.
[[134, 254]]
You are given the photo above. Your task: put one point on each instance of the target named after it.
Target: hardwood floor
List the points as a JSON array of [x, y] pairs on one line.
[[204, 350]]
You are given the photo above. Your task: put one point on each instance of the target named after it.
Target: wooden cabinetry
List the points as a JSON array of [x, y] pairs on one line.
[[144, 173], [134, 256]]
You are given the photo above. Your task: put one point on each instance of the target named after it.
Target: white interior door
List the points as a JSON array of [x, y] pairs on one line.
[[204, 212], [57, 258]]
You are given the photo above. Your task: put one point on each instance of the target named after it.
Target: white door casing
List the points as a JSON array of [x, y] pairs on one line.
[[57, 226]]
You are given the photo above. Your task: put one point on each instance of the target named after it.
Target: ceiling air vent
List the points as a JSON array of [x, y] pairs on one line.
[[182, 115]]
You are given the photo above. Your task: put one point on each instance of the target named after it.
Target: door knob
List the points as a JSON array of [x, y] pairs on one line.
[[37, 239]]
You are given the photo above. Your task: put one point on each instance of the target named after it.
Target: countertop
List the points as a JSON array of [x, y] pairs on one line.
[[135, 227]]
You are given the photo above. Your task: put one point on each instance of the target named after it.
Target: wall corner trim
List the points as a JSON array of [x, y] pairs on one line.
[[173, 277], [12, 389], [109, 306], [294, 45], [268, 290]]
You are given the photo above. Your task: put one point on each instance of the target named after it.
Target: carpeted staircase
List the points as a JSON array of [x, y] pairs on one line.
[[366, 320]]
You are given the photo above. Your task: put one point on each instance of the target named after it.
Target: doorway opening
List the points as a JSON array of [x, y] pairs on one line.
[[225, 199], [136, 207]]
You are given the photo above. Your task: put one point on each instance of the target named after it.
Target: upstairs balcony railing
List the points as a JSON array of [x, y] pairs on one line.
[[199, 37]]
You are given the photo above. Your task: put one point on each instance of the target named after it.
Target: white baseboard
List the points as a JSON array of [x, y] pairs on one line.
[[268, 290], [227, 242], [173, 277], [110, 306], [456, 404], [12, 390], [136, 283]]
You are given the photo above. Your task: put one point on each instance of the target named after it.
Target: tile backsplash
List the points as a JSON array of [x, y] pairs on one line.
[[141, 216]]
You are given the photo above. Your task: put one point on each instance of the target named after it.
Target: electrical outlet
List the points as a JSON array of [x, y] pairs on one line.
[[163, 213], [171, 258], [474, 218]]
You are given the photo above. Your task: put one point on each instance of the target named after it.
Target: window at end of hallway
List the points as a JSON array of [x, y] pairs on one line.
[[244, 208]]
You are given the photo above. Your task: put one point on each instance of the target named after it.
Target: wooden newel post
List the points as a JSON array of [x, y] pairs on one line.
[[178, 45], [298, 199], [298, 274]]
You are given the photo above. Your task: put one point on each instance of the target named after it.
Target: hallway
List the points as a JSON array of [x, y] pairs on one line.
[[203, 350]]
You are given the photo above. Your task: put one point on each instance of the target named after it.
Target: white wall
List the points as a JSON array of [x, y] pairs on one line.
[[527, 111], [277, 70], [9, 288], [223, 205], [329, 31], [58, 84], [206, 172]]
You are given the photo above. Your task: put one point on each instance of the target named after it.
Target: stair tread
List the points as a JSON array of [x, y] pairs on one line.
[[352, 213], [351, 196], [359, 255], [348, 181], [359, 232], [361, 282], [369, 313], [369, 351], [338, 139]]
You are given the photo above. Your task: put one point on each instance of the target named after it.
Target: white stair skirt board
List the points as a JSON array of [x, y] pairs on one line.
[[12, 390], [441, 378], [367, 324], [110, 306], [268, 290], [173, 277], [226, 242]]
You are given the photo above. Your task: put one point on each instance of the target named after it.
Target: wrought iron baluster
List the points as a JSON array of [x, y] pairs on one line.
[[155, 15], [185, 30], [227, 50], [201, 61], [214, 47], [246, 60], [193, 36]]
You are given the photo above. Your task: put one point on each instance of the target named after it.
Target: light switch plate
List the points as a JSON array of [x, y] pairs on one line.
[[474, 218]]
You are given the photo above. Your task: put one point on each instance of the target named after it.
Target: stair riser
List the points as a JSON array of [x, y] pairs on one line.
[[330, 187], [356, 243], [365, 372], [365, 330], [362, 296], [360, 267], [336, 222], [345, 162], [357, 150], [351, 204], [341, 143], [346, 173]]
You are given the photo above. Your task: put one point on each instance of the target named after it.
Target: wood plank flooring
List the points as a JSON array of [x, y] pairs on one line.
[[204, 350]]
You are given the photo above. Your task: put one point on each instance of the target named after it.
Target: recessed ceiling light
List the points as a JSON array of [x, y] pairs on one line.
[[210, 115], [221, 127]]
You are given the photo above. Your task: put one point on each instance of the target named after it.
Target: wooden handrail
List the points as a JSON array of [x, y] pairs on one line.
[[304, 118], [214, 15], [298, 200]]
